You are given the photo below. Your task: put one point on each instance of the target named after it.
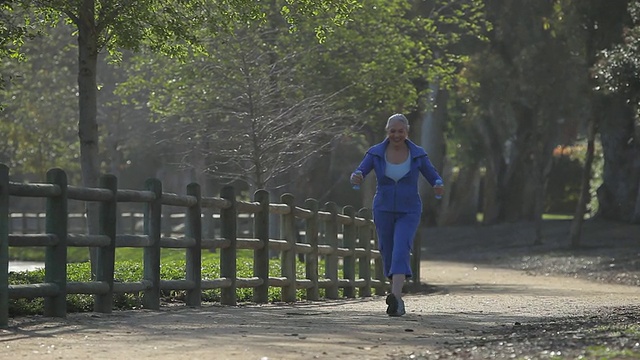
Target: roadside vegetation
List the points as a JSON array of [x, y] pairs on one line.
[[129, 268]]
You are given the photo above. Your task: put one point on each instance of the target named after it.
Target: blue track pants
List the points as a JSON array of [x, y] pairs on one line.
[[395, 240]]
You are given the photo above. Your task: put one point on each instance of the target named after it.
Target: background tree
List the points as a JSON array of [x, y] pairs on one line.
[[163, 26], [491, 110], [388, 58], [238, 114], [14, 27], [33, 140], [616, 69], [524, 104]]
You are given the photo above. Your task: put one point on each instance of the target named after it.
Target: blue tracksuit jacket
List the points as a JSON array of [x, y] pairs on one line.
[[401, 196]]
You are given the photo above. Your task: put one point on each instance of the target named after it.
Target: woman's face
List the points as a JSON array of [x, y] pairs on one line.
[[397, 132]]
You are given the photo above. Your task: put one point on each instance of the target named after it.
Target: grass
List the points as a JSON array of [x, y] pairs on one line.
[[480, 217], [557, 217], [627, 331], [602, 352], [74, 254], [78, 255], [623, 329], [129, 268]]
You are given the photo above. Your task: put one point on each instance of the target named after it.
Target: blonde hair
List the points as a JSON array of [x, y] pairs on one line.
[[397, 118]]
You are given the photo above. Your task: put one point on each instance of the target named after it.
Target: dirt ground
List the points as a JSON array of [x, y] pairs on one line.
[[480, 285]]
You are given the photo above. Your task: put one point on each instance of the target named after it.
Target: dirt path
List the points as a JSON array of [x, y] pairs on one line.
[[468, 302]]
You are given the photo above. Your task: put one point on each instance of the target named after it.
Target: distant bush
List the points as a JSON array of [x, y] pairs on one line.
[[563, 188]]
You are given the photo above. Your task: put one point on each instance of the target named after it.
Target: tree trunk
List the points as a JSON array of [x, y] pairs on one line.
[[519, 179], [618, 194], [464, 191], [492, 196], [431, 138], [87, 99], [538, 189], [575, 233]]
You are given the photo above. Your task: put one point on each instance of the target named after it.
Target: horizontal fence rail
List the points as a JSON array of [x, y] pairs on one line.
[[341, 236], [131, 222]]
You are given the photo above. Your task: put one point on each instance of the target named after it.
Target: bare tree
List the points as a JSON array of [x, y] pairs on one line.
[[256, 121]]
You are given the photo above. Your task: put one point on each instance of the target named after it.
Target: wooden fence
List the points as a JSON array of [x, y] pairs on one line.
[[130, 222], [347, 238]]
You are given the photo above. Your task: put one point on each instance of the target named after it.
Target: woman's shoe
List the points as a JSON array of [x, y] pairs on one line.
[[400, 310], [395, 306], [392, 305]]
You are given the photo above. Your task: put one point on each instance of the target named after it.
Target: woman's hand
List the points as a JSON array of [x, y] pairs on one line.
[[438, 190], [356, 178]]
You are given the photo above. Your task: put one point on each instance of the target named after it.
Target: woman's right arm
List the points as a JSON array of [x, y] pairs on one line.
[[366, 165]]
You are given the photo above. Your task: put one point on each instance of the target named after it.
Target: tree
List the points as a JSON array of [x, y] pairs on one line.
[[238, 114], [33, 140], [524, 98], [373, 64], [389, 58], [14, 27], [616, 67], [163, 26]]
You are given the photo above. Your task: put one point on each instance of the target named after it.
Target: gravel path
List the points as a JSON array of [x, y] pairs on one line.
[[485, 297]]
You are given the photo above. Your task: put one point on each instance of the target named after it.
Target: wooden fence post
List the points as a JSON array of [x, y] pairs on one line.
[[193, 223], [228, 230], [364, 237], [153, 228], [107, 254], [288, 231], [4, 246], [331, 261], [56, 256], [311, 263], [349, 234], [261, 256]]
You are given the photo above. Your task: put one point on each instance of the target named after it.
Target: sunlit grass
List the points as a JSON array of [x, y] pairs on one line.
[[129, 267], [557, 217], [79, 255], [602, 352], [480, 217], [74, 254], [622, 329]]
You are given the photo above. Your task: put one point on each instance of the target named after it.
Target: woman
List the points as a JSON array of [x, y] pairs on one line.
[[397, 206]]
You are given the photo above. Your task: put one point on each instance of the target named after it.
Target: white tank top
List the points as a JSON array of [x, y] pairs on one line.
[[397, 171]]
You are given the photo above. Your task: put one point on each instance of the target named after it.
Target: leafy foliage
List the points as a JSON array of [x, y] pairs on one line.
[[170, 28], [240, 113], [262, 102], [618, 68], [523, 93], [15, 27], [39, 121]]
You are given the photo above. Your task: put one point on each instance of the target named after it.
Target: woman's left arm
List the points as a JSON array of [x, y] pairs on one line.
[[428, 170]]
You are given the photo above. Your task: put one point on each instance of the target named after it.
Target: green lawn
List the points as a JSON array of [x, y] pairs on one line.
[[78, 255], [129, 268], [480, 217]]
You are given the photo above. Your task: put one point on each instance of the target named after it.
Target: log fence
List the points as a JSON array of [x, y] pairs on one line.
[[348, 237], [131, 222]]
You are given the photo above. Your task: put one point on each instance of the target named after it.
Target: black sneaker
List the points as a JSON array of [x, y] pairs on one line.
[[400, 311], [392, 305]]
